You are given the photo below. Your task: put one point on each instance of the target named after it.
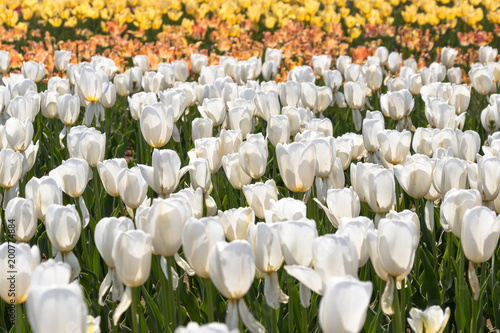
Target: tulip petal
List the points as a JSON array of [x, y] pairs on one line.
[[175, 276], [85, 212], [123, 306], [305, 295], [429, 215], [473, 280], [71, 259], [175, 134], [388, 297], [117, 287], [272, 291], [307, 276], [183, 264], [248, 319], [62, 135], [328, 213], [232, 320], [211, 205], [105, 285]]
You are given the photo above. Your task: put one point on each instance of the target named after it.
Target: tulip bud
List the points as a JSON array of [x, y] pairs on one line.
[[371, 128], [15, 288], [490, 117], [297, 164], [157, 123], [433, 320], [200, 174], [309, 95], [289, 94], [232, 268], [234, 172], [18, 133], [258, 195], [333, 79], [301, 74], [11, 167], [393, 251], [355, 95], [199, 237], [487, 54], [297, 239], [236, 221], [374, 77], [481, 79], [63, 226], [449, 173], [240, 118], [213, 109], [107, 65], [454, 206], [141, 61], [164, 175], [132, 257], [253, 155], [341, 203], [488, 181], [72, 176], [344, 146], [394, 145], [394, 61], [337, 314], [460, 98], [267, 104], [87, 143], [62, 59], [68, 109], [165, 222], [4, 62], [201, 128], [356, 229], [286, 209], [278, 129], [33, 71], [273, 55], [441, 115], [23, 216], [454, 75], [321, 63], [480, 232], [265, 241], [448, 55], [342, 63], [132, 187]]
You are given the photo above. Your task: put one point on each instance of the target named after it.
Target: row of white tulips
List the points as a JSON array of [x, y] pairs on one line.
[[230, 247]]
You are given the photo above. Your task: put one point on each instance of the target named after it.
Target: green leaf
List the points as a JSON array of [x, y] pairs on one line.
[[192, 306]]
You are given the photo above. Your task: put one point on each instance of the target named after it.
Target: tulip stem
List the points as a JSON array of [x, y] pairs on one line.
[[164, 296], [473, 323], [171, 295], [19, 318], [398, 316], [274, 322], [135, 301], [290, 283], [97, 199], [140, 145], [209, 293], [303, 319]]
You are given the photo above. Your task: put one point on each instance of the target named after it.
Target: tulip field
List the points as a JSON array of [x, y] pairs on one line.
[[250, 166]]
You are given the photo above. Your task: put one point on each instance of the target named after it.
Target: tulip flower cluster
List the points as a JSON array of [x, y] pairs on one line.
[[355, 194]]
